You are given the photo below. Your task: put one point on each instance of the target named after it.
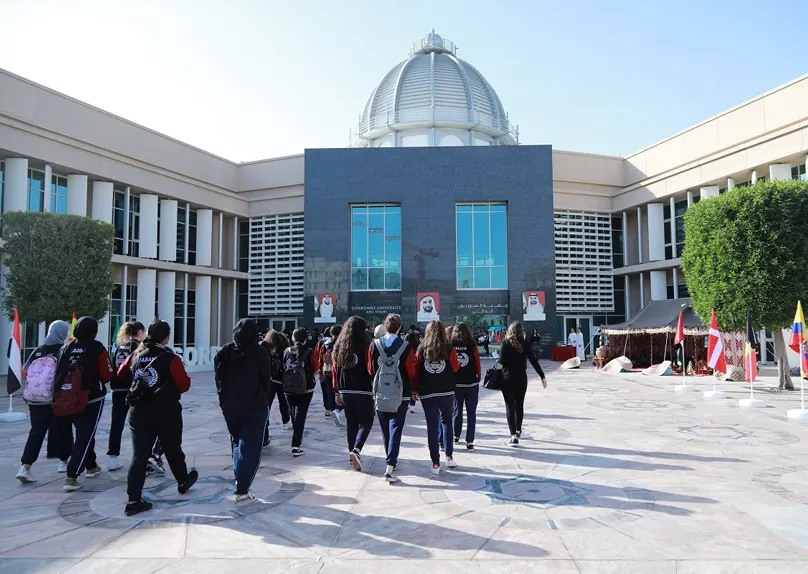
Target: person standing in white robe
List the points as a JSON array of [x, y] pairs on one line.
[[579, 345], [572, 339]]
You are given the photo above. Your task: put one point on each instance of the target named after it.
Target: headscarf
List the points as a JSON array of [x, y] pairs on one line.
[[86, 329], [245, 334], [57, 333]]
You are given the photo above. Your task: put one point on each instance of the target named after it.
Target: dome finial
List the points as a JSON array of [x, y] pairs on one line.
[[433, 43]]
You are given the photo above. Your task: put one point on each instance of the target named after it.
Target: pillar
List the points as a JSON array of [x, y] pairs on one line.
[[639, 235], [675, 283], [127, 196], [46, 198], [219, 252], [148, 226], [168, 230], [627, 285], [689, 198], [204, 236], [77, 194], [642, 292], [166, 283], [202, 327], [15, 188], [219, 312], [779, 171], [146, 284], [656, 232], [185, 304], [625, 239], [124, 281], [672, 223], [103, 331], [659, 286], [235, 243], [102, 201], [708, 192], [730, 183], [754, 177]]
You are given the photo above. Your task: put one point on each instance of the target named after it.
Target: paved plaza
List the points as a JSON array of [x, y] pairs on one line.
[[617, 474]]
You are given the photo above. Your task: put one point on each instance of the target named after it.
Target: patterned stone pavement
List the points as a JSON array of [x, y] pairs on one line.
[[617, 474]]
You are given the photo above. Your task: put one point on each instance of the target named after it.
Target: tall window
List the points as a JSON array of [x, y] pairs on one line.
[[482, 246], [375, 247], [680, 207], [191, 241], [2, 176], [29, 338], [118, 316], [35, 200], [798, 173], [191, 319], [180, 238], [617, 242], [244, 246], [58, 194], [118, 201], [134, 225], [179, 335]]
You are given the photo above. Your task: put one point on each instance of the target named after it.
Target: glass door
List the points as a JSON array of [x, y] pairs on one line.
[[585, 323]]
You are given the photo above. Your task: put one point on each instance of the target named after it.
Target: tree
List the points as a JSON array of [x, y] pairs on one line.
[[747, 250], [57, 264]]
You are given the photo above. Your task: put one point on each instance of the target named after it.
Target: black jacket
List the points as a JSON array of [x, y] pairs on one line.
[[295, 353], [91, 355], [355, 379], [118, 358], [242, 371], [514, 363]]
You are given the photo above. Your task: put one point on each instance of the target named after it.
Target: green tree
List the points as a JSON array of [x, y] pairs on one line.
[[57, 264], [747, 250]]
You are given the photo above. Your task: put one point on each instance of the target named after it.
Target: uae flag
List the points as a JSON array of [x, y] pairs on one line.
[[749, 352], [13, 381], [715, 347]]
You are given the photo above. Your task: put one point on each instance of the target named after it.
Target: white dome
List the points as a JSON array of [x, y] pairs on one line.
[[434, 89]]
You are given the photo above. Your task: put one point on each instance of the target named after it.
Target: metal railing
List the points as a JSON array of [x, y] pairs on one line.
[[437, 114]]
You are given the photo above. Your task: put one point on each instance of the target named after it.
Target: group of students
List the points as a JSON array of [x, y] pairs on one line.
[[364, 377]]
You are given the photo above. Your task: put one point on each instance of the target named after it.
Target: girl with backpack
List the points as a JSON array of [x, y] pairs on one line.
[[40, 371], [386, 352], [324, 366], [354, 386], [298, 384], [129, 336], [275, 343], [435, 386], [467, 382]]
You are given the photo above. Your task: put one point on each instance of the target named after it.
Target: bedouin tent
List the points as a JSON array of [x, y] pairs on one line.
[[648, 337]]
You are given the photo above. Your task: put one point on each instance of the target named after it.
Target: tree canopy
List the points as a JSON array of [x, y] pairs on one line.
[[747, 250], [57, 264]]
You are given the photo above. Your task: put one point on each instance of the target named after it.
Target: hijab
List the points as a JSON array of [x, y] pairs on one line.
[[57, 333]]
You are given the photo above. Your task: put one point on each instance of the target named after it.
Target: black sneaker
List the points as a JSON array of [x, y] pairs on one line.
[[513, 442], [356, 460], [518, 434], [457, 439], [470, 446], [297, 451], [193, 476], [137, 507]]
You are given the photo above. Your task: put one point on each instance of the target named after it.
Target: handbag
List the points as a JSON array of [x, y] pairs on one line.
[[493, 379]]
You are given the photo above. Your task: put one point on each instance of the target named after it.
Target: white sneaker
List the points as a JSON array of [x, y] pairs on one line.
[[337, 418], [435, 469], [286, 426], [390, 474], [412, 408], [113, 464], [62, 468], [24, 475], [92, 472], [244, 497], [297, 451], [450, 462]]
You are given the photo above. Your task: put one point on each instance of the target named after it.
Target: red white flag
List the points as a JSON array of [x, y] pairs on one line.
[[715, 347], [14, 380]]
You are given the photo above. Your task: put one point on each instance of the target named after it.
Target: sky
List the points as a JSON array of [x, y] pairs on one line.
[[253, 79]]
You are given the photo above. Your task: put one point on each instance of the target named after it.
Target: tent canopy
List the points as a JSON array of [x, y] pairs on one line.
[[660, 317]]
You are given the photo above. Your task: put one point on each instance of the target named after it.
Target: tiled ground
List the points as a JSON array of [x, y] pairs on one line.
[[618, 475]]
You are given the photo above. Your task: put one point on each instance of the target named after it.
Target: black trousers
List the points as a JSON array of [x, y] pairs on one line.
[[359, 415], [327, 387], [42, 422], [86, 423], [298, 409], [514, 391], [276, 390], [149, 422], [119, 411]]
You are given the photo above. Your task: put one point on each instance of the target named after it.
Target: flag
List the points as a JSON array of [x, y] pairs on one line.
[[715, 347], [14, 379], [72, 326], [749, 352], [680, 337], [798, 335]]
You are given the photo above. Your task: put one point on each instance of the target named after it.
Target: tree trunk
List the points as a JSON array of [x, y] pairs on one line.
[[781, 356]]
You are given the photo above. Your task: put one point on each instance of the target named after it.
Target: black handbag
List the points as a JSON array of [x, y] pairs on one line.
[[493, 379]]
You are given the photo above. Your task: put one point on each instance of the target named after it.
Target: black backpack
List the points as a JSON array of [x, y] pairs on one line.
[[145, 384], [275, 366], [294, 377]]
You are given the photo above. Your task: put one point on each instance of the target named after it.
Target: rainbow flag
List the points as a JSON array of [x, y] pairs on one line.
[[799, 340]]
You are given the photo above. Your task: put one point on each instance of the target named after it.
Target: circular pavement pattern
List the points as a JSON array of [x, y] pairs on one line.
[[788, 482], [532, 431], [100, 503], [539, 503], [636, 405], [711, 432]]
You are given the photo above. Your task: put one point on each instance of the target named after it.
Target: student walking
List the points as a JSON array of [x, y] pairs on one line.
[[82, 370], [242, 374], [40, 375], [129, 337], [513, 359], [323, 365], [298, 384], [157, 378], [467, 382], [390, 353], [275, 343], [413, 338], [354, 385], [435, 386]]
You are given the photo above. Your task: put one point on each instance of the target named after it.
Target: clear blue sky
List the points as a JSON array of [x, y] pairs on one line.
[[250, 79]]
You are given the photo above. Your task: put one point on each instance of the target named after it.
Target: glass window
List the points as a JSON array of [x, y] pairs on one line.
[[119, 199], [58, 194], [134, 225], [180, 239], [482, 245], [375, 247], [191, 320], [244, 246], [191, 241], [179, 335], [35, 200]]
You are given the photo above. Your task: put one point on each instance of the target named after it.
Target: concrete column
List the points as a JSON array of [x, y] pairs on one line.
[[204, 237], [202, 327], [146, 284], [219, 262], [659, 286], [185, 259], [219, 312], [46, 199], [642, 293], [625, 238], [168, 230], [102, 201], [656, 232], [148, 226], [42, 330], [675, 283], [235, 302], [185, 306], [779, 171], [754, 177], [673, 227], [15, 191], [77, 194], [127, 195], [689, 198], [730, 183], [235, 243], [639, 235], [627, 294], [708, 192], [166, 282], [124, 279]]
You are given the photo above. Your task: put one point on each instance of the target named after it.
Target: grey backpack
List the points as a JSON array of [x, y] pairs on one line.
[[388, 387]]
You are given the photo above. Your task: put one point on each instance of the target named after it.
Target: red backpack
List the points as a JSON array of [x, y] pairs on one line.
[[69, 396]]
